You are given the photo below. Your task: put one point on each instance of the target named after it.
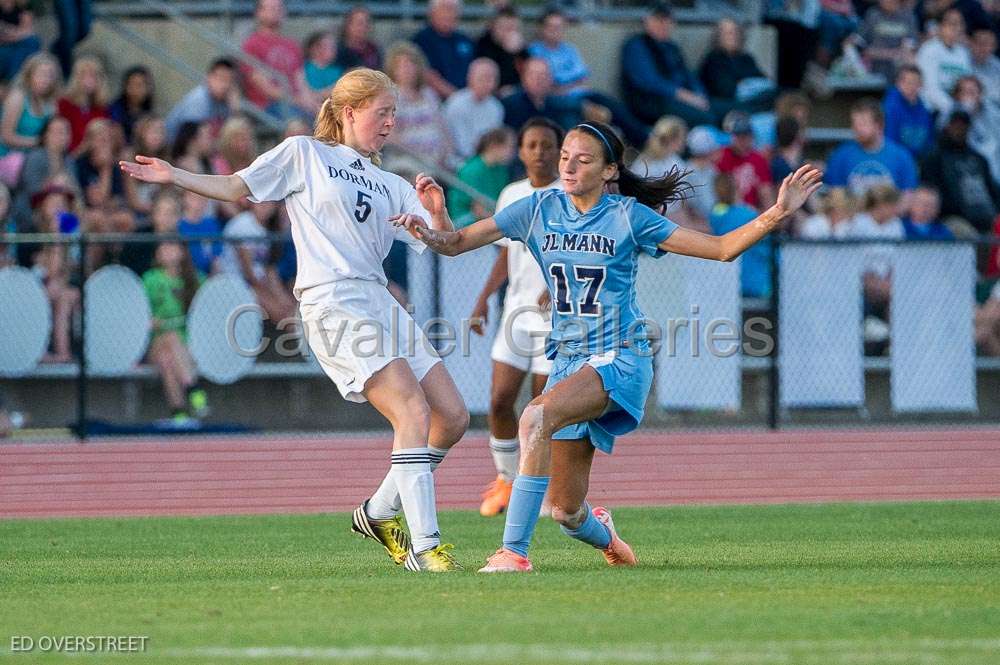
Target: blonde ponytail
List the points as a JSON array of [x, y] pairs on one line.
[[357, 88]]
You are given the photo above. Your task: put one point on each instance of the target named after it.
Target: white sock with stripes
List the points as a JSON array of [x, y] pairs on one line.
[[411, 471], [506, 455], [385, 504]]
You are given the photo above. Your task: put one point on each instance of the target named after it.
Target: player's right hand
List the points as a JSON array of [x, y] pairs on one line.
[[545, 301], [149, 169], [480, 317], [412, 223]]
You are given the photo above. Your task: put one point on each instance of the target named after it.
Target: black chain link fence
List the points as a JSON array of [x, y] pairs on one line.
[[124, 335]]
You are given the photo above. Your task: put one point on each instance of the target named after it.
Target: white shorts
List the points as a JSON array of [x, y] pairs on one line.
[[522, 346], [356, 329]]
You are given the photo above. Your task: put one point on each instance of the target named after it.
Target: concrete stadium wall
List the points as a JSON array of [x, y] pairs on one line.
[[313, 403]]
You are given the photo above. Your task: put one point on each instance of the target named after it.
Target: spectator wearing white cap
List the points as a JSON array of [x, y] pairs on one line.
[[704, 151]]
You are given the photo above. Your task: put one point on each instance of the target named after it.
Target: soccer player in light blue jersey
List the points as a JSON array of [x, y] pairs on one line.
[[587, 242]]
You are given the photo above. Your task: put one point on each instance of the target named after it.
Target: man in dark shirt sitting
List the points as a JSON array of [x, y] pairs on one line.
[[449, 51], [534, 97], [655, 78]]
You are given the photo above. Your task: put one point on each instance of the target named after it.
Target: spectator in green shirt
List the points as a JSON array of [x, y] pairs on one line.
[[319, 71], [170, 286], [487, 172]]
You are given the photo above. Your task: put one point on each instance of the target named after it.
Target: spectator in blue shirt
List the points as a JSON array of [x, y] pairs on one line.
[[656, 81], [729, 214], [217, 98], [569, 71], [922, 222], [200, 226], [907, 120], [572, 76], [871, 158], [449, 52]]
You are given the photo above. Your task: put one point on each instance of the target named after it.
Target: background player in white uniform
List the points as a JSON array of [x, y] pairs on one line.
[[519, 347], [340, 204]]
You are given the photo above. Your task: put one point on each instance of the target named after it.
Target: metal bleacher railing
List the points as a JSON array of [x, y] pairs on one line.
[[691, 11]]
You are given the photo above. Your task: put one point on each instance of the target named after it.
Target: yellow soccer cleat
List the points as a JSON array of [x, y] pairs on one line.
[[389, 533], [496, 497], [435, 560]]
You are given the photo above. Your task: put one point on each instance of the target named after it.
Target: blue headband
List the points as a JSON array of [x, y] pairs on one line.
[[600, 135]]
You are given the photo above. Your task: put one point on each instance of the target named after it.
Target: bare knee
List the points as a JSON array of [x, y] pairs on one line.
[[454, 420], [569, 516], [531, 427], [413, 414]]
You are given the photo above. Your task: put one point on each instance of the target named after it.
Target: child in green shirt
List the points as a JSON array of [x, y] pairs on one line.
[[170, 286], [487, 172]]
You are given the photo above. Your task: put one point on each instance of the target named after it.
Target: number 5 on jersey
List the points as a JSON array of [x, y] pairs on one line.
[[594, 278], [363, 208]]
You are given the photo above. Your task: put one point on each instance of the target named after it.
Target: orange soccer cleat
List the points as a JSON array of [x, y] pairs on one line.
[[618, 552], [496, 497], [505, 561]]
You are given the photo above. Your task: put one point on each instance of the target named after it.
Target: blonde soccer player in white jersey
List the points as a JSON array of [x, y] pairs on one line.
[[339, 202], [519, 346]]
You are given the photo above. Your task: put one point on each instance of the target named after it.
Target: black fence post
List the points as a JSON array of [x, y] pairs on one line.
[[774, 415], [81, 392], [436, 290]]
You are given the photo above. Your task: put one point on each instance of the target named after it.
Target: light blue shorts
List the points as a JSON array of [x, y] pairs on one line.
[[627, 378]]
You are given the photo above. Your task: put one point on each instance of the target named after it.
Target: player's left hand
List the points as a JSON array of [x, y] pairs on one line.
[[798, 187], [430, 193]]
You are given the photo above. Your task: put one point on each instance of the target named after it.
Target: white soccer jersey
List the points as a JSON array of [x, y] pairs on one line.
[[525, 280], [339, 204]]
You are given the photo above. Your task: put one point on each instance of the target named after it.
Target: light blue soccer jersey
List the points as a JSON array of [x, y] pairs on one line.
[[590, 262]]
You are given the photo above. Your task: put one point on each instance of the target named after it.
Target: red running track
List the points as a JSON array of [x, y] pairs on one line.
[[304, 474]]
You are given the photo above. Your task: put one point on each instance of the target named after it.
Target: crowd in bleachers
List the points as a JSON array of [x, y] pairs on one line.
[[923, 162]]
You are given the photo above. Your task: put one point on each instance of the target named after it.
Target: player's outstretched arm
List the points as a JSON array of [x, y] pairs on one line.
[[450, 243], [795, 191], [221, 187]]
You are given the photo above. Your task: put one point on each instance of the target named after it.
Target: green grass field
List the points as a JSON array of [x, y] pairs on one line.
[[823, 584]]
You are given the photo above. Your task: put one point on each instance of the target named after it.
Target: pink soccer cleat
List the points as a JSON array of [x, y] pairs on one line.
[[618, 552], [505, 561]]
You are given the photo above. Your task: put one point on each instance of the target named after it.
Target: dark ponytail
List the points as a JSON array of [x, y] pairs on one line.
[[655, 192]]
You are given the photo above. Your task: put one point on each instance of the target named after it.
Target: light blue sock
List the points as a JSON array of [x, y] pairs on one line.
[[522, 512], [591, 532]]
